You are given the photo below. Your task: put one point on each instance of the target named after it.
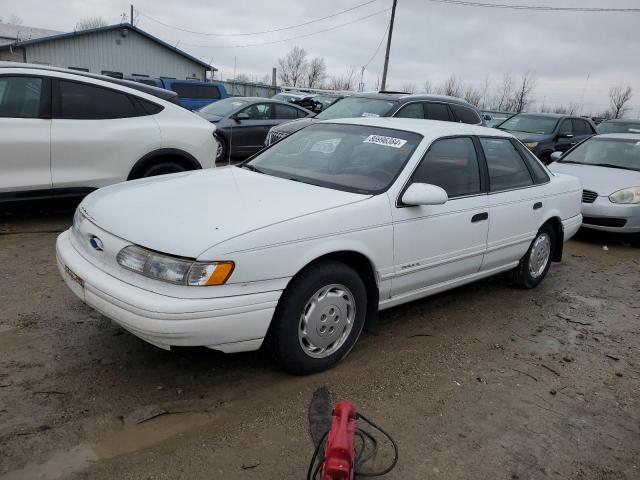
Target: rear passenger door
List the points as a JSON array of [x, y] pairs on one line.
[[516, 202], [25, 129], [97, 134]]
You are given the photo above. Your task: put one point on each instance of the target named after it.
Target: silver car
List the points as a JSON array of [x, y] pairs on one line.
[[609, 168]]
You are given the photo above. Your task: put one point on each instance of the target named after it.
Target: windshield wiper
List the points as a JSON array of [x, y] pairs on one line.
[[252, 168], [610, 166]]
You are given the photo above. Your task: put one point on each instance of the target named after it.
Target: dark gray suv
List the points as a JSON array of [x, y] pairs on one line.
[[545, 133], [387, 104]]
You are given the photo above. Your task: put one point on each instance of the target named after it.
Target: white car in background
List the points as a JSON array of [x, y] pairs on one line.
[[318, 232], [66, 132]]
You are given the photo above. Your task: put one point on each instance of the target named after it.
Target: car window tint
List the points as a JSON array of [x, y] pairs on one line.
[[506, 168], [581, 127], [466, 115], [195, 90], [258, 111], [412, 110], [539, 173], [452, 164], [20, 97], [80, 101], [302, 113], [437, 111], [566, 127], [285, 112]]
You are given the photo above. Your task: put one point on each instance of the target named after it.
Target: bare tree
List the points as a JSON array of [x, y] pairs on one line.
[[90, 22], [409, 87], [427, 87], [522, 96], [451, 87], [316, 73], [473, 95], [502, 98], [618, 99], [343, 82], [293, 67], [486, 87]]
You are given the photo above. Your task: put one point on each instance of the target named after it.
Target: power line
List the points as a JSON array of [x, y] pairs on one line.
[[255, 33], [536, 7], [384, 35], [290, 38]]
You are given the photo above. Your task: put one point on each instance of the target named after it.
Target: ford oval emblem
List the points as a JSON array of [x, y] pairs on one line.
[[96, 243]]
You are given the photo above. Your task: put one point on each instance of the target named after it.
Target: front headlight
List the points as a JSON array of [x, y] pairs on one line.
[[532, 144], [78, 217], [627, 195], [175, 270]]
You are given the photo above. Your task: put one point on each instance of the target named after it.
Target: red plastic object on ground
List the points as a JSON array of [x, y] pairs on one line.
[[339, 456]]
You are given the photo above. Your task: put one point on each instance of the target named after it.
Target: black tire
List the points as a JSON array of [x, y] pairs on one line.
[[221, 154], [162, 168], [522, 275], [283, 339]]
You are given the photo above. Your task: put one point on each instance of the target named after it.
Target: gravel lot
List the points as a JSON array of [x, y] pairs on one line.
[[483, 382]]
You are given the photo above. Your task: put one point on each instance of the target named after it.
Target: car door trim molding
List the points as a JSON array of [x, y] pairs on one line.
[[417, 265]]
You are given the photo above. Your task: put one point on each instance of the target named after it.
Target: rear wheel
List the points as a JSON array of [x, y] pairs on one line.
[[221, 152], [533, 267], [162, 168], [319, 318]]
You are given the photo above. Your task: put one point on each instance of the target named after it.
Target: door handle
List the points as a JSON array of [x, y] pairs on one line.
[[479, 217], [537, 205]]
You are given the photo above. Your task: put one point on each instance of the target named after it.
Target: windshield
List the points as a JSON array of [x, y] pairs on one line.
[[357, 107], [608, 152], [619, 127], [530, 124], [223, 107], [354, 158]]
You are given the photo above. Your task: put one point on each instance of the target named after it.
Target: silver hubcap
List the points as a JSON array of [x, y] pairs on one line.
[[219, 150], [326, 321], [540, 254]]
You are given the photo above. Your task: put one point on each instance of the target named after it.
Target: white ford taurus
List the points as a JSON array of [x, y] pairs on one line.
[[302, 245]]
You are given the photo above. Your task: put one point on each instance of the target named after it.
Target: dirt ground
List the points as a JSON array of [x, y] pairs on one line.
[[483, 382]]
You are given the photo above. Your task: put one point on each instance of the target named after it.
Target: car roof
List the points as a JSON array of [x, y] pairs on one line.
[[622, 120], [264, 99], [620, 136], [168, 95], [549, 115], [428, 128], [405, 97]]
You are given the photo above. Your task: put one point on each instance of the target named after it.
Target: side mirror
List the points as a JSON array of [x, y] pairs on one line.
[[241, 116], [555, 156], [424, 194], [565, 135]]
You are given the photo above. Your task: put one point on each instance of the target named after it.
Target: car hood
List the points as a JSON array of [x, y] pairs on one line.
[[295, 125], [209, 117], [187, 213], [526, 137], [603, 180]]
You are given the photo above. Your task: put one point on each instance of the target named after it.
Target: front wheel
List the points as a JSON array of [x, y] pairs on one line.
[[221, 152], [533, 267], [319, 318]]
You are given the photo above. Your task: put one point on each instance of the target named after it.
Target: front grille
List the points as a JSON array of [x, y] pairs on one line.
[[605, 221], [588, 196], [275, 136]]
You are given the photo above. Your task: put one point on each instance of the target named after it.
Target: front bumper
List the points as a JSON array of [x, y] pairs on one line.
[[602, 214], [230, 324]]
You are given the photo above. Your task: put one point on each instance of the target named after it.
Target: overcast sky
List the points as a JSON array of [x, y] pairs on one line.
[[430, 40]]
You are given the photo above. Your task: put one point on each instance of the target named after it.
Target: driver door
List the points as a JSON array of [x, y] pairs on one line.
[[247, 135], [566, 136], [439, 243]]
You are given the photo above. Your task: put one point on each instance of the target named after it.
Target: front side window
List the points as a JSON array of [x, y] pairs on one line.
[[452, 164], [352, 107], [413, 110], [436, 111], [581, 127], [258, 111], [566, 127], [81, 101], [466, 115], [530, 124], [619, 127], [354, 158], [506, 167], [284, 112], [620, 153], [20, 97]]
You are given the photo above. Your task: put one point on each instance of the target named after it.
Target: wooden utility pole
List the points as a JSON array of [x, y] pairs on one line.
[[131, 15], [386, 56]]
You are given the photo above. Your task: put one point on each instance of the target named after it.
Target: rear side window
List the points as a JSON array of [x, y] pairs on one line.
[[413, 110], [466, 115], [302, 113], [258, 111], [436, 111], [148, 107], [286, 112], [81, 101], [20, 97], [506, 167], [539, 173], [452, 164], [186, 90]]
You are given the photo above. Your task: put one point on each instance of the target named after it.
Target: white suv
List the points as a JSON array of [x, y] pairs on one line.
[[66, 132]]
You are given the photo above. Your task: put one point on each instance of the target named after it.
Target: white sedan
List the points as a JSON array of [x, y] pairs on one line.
[[302, 245], [64, 132]]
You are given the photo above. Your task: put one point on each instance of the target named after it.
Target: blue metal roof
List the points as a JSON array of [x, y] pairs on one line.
[[108, 28]]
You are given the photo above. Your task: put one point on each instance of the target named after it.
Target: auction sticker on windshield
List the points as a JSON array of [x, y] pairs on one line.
[[386, 141]]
